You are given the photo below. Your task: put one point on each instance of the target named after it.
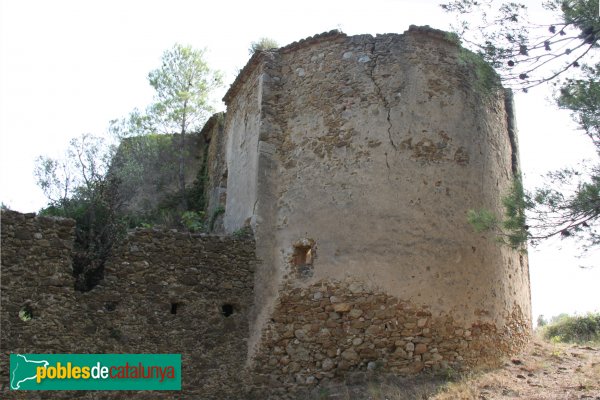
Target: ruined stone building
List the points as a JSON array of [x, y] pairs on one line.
[[354, 160]]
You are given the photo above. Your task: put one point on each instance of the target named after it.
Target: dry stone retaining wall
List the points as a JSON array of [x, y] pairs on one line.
[[163, 292]]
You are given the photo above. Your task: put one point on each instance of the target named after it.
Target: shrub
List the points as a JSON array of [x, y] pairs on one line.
[[577, 329], [213, 218], [193, 221]]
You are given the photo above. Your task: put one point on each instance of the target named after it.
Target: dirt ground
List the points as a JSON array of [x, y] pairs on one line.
[[544, 371]]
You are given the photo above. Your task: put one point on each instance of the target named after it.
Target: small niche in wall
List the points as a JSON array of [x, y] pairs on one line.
[[174, 308], [227, 310], [25, 313], [303, 257]]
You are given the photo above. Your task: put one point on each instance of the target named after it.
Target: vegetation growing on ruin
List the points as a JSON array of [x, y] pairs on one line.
[[562, 51], [94, 180], [181, 104], [511, 228], [486, 80], [264, 43], [213, 218], [79, 186]]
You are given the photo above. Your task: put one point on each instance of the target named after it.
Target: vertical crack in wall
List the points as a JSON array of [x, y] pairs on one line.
[[380, 94], [388, 167]]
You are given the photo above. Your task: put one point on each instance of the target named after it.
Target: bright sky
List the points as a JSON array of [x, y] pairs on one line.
[[67, 67]]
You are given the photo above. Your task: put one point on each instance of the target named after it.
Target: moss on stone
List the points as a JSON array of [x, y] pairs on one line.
[[486, 80]]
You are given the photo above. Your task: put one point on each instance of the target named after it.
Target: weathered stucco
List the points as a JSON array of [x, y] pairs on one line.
[[370, 152], [242, 128]]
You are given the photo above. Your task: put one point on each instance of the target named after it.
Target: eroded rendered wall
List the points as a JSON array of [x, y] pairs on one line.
[[377, 147], [242, 130]]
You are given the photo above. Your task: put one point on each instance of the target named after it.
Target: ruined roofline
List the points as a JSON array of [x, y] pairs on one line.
[[259, 56], [210, 123], [426, 30]]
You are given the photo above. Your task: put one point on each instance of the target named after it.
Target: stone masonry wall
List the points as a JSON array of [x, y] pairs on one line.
[[37, 278], [322, 333], [163, 292], [371, 150], [216, 179]]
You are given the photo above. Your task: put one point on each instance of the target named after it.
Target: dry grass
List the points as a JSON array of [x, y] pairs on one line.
[[544, 372]]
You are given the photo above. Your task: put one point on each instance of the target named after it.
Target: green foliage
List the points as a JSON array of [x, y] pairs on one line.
[[25, 314], [573, 329], [482, 220], [196, 195], [453, 37], [554, 210], [147, 164], [582, 97], [181, 104], [528, 52], [193, 221], [486, 80], [242, 232], [148, 161], [541, 321], [512, 229], [135, 124], [323, 393], [569, 206], [213, 218], [84, 165], [79, 187], [182, 86], [164, 215], [514, 223], [99, 225], [262, 44], [582, 14]]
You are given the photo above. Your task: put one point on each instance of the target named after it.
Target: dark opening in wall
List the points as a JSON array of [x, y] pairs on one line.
[[174, 308], [303, 257], [110, 306], [88, 267], [25, 313], [227, 310]]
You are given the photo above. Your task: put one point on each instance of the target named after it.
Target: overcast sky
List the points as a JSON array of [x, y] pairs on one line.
[[67, 67]]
